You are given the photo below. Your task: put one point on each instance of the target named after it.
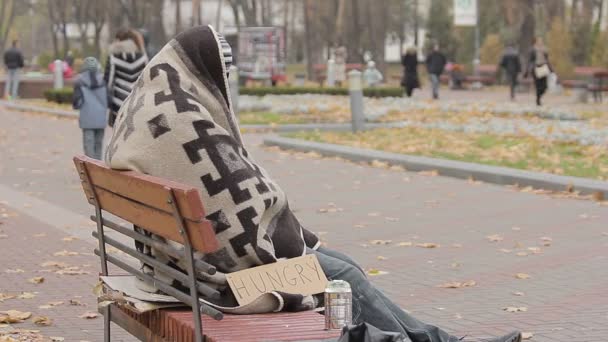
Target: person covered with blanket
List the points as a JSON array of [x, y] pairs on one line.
[[178, 124]]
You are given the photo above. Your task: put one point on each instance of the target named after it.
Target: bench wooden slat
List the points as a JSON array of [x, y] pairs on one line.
[[157, 222], [145, 189], [141, 204]]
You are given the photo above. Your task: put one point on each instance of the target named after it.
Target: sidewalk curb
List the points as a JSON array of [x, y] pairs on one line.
[[40, 109], [449, 168]]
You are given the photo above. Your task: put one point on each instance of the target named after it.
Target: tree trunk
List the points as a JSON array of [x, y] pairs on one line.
[[218, 15], [178, 16], [196, 13], [308, 39], [339, 32]]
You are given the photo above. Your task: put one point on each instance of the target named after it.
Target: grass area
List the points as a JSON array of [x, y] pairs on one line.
[[269, 118], [520, 152]]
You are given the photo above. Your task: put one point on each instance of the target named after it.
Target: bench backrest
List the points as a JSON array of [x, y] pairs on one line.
[[146, 202]]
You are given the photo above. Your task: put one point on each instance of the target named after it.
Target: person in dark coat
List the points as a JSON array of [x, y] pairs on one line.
[[512, 66], [435, 64], [91, 98], [539, 67], [13, 61], [410, 79]]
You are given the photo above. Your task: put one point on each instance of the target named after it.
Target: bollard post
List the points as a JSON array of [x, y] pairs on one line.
[[356, 100], [233, 84], [331, 73], [58, 74]]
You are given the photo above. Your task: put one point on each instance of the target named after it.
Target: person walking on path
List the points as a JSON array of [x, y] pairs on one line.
[[127, 59], [435, 64], [13, 61], [410, 79], [540, 68], [91, 98], [512, 66]]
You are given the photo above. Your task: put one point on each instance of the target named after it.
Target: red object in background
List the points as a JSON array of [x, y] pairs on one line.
[[68, 72]]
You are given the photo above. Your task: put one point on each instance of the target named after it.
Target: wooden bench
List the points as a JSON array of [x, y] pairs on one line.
[[173, 211], [598, 85]]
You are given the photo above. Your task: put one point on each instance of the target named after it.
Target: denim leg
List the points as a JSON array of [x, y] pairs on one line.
[[98, 143], [371, 305], [435, 85], [8, 82], [88, 142], [15, 83]]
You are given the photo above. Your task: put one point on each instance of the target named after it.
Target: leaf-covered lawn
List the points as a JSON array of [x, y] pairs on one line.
[[521, 152], [268, 118]]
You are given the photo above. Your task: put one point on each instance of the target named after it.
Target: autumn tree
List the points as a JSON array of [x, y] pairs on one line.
[[7, 15], [559, 46], [491, 50]]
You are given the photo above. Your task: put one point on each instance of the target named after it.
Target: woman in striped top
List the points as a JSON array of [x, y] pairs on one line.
[[127, 58]]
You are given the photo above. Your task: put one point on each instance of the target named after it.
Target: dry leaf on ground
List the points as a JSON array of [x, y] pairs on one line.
[[42, 320], [405, 244], [36, 280], [380, 257], [380, 242], [457, 284], [69, 238], [4, 296], [376, 272], [73, 270], [26, 295], [14, 316], [54, 264], [65, 253], [14, 270], [89, 315], [526, 335], [518, 293], [428, 245], [504, 250], [515, 309], [522, 254], [494, 238], [429, 173], [76, 302], [522, 276]]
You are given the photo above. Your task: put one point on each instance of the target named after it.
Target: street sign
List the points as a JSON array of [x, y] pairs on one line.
[[465, 12]]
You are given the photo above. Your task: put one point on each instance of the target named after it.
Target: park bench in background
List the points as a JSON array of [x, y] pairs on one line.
[[599, 84], [587, 79], [174, 212]]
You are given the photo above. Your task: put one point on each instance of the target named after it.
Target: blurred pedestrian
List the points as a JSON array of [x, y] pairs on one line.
[[540, 68], [512, 66], [69, 58], [435, 64], [127, 59], [340, 55], [13, 61], [372, 76], [91, 98], [410, 79]]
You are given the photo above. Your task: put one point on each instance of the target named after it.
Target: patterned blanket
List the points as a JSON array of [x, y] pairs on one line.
[[178, 124]]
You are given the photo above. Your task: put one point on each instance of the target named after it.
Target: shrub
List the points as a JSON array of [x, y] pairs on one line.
[[369, 92], [63, 95], [491, 50]]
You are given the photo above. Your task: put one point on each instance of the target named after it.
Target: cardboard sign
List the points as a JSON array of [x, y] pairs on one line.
[[302, 275]]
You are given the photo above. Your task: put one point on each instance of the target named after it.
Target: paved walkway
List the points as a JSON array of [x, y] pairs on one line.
[[349, 206]]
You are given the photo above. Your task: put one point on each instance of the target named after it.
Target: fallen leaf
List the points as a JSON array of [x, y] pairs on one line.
[[522, 276], [380, 257], [535, 250], [14, 316], [42, 320], [515, 309], [598, 196], [377, 163], [517, 293], [428, 245], [457, 284], [26, 295], [373, 214], [73, 270], [405, 244], [494, 238], [392, 219], [39, 235], [504, 250], [456, 245], [380, 242], [65, 253], [89, 315], [4, 296], [376, 272], [57, 339], [515, 228], [36, 280], [14, 270], [359, 226], [54, 264], [76, 302], [546, 241], [69, 238], [522, 254], [526, 335], [429, 173]]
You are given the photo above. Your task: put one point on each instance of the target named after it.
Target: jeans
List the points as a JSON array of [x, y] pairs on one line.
[[371, 305], [92, 140], [435, 85], [512, 84], [11, 87]]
